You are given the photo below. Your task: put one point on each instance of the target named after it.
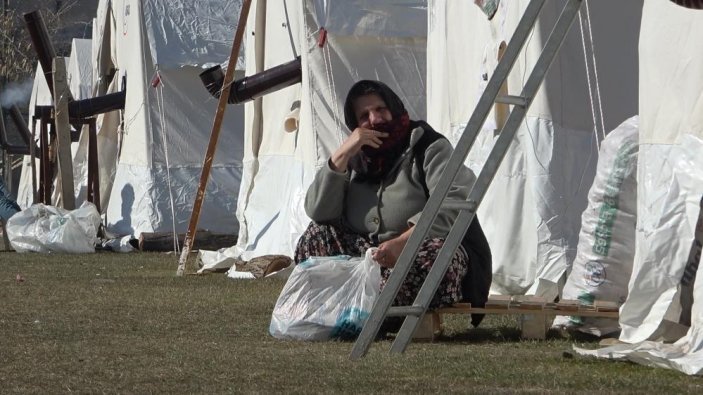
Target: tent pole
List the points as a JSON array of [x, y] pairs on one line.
[[214, 135], [260, 48]]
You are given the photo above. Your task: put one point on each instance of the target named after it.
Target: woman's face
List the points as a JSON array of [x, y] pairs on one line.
[[371, 111]]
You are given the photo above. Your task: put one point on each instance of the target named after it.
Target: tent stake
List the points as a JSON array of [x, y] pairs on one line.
[[214, 135]]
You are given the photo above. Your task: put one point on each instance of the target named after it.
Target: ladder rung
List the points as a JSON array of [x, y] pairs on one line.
[[514, 100], [402, 311], [460, 205]]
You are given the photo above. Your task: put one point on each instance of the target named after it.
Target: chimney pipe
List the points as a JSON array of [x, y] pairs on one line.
[[97, 105], [257, 85]]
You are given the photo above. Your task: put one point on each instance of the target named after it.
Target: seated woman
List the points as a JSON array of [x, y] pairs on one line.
[[374, 188]]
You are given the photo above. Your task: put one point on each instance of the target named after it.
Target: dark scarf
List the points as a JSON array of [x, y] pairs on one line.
[[373, 164]]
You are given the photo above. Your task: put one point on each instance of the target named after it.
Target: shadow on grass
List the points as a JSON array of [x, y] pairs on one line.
[[482, 335], [500, 331]]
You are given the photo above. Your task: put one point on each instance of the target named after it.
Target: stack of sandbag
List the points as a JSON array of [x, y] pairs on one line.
[[606, 247]]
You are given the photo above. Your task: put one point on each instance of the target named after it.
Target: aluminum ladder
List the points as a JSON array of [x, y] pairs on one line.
[[520, 104]]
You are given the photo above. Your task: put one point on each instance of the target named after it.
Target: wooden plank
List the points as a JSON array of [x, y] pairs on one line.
[[529, 302], [63, 134], [498, 302], [6, 246], [603, 305], [501, 111], [534, 326], [93, 168], [429, 328], [466, 309], [457, 308], [204, 240], [568, 305]]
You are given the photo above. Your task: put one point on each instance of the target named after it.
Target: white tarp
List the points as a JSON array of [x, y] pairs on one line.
[[531, 213], [671, 115], [359, 18], [279, 166], [186, 32], [668, 285], [663, 294]]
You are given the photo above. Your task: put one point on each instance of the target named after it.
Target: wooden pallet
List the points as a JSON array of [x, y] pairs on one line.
[[536, 314]]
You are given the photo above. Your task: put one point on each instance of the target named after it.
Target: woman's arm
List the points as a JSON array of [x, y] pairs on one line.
[[324, 201], [436, 158]]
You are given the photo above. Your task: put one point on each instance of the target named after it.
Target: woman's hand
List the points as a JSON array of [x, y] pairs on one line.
[[352, 145], [389, 251]]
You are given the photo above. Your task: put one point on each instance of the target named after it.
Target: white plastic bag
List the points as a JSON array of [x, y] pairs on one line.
[[42, 228], [327, 298], [606, 248]]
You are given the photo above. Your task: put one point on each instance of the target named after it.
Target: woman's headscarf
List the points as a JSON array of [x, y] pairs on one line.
[[375, 163], [369, 87]]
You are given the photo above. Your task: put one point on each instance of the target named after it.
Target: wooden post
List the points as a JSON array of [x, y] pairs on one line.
[[63, 134], [33, 161], [5, 239], [46, 170], [502, 110], [93, 168], [214, 135]]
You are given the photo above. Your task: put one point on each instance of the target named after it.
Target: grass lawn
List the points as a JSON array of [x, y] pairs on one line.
[[125, 324]]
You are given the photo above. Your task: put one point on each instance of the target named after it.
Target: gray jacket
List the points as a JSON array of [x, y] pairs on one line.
[[385, 210]]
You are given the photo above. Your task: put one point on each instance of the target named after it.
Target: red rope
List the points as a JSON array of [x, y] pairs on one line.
[[323, 37]]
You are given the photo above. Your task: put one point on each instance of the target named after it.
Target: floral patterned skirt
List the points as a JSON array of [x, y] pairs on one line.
[[329, 240]]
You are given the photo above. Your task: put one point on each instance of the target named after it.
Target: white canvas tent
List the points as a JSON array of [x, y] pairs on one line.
[[159, 46], [531, 213], [151, 154], [666, 287]]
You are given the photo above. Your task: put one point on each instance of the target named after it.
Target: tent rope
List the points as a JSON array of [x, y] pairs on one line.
[[594, 115], [595, 68], [158, 84], [327, 57]]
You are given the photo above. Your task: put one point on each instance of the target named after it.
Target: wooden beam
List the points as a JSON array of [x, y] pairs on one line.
[[163, 241], [214, 136], [502, 110], [547, 310], [6, 246], [63, 134], [93, 168]]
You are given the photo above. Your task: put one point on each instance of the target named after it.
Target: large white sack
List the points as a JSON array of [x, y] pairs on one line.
[[686, 354], [42, 228], [606, 248]]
